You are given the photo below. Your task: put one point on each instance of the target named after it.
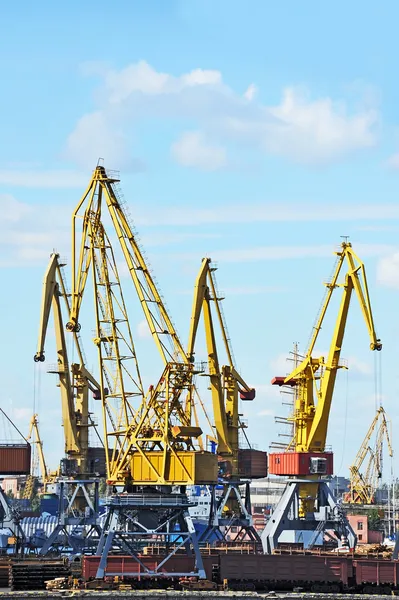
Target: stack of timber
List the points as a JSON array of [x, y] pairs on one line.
[[33, 574], [4, 572], [380, 551]]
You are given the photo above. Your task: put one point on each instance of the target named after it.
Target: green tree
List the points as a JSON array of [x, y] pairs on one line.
[[102, 488], [374, 519]]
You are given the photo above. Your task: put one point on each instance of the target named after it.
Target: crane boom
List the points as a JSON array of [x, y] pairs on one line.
[[102, 188], [51, 299]]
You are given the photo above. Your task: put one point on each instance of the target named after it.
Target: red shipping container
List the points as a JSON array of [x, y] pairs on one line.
[[297, 463], [15, 459]]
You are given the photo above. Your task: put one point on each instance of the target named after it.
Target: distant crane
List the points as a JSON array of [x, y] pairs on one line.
[[364, 483], [47, 477], [306, 459]]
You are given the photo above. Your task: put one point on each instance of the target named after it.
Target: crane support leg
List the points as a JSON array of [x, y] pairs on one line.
[[141, 519], [10, 519], [328, 515], [78, 509], [231, 510]]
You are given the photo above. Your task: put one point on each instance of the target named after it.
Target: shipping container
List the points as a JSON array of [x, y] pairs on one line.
[[252, 464], [300, 463], [199, 467], [15, 459], [96, 461]]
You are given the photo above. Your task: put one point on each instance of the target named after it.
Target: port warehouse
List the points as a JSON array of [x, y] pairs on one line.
[[230, 570]]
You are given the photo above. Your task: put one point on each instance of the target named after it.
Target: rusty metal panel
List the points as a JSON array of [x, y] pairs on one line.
[[284, 568], [376, 571], [15, 459], [252, 463], [129, 566]]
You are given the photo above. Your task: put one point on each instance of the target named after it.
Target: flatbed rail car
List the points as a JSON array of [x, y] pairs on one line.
[[325, 573]]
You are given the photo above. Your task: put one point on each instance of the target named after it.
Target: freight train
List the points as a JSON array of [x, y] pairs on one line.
[[258, 572]]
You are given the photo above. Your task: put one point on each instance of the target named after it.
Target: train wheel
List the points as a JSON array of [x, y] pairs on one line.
[[386, 590]]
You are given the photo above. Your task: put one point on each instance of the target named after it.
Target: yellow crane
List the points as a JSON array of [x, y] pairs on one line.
[[151, 435], [227, 386], [364, 485], [47, 477], [226, 383], [314, 378], [75, 381]]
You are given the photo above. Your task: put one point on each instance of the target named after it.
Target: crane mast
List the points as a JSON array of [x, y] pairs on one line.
[[314, 378], [364, 485]]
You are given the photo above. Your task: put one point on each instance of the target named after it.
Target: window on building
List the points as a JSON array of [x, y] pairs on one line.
[[360, 537], [360, 525]]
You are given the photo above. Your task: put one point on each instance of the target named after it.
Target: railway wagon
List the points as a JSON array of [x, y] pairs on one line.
[[376, 575], [128, 567], [283, 571]]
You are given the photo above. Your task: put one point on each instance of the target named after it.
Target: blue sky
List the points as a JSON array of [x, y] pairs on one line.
[[256, 133]]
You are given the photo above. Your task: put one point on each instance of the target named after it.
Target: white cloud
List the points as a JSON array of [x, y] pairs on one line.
[[293, 252], [377, 227], [299, 128], [143, 330], [58, 178], [267, 412], [250, 290], [393, 161], [22, 414], [388, 271], [193, 150], [359, 366], [267, 212], [317, 131], [142, 78], [251, 92], [96, 136], [282, 365], [11, 211], [29, 233]]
